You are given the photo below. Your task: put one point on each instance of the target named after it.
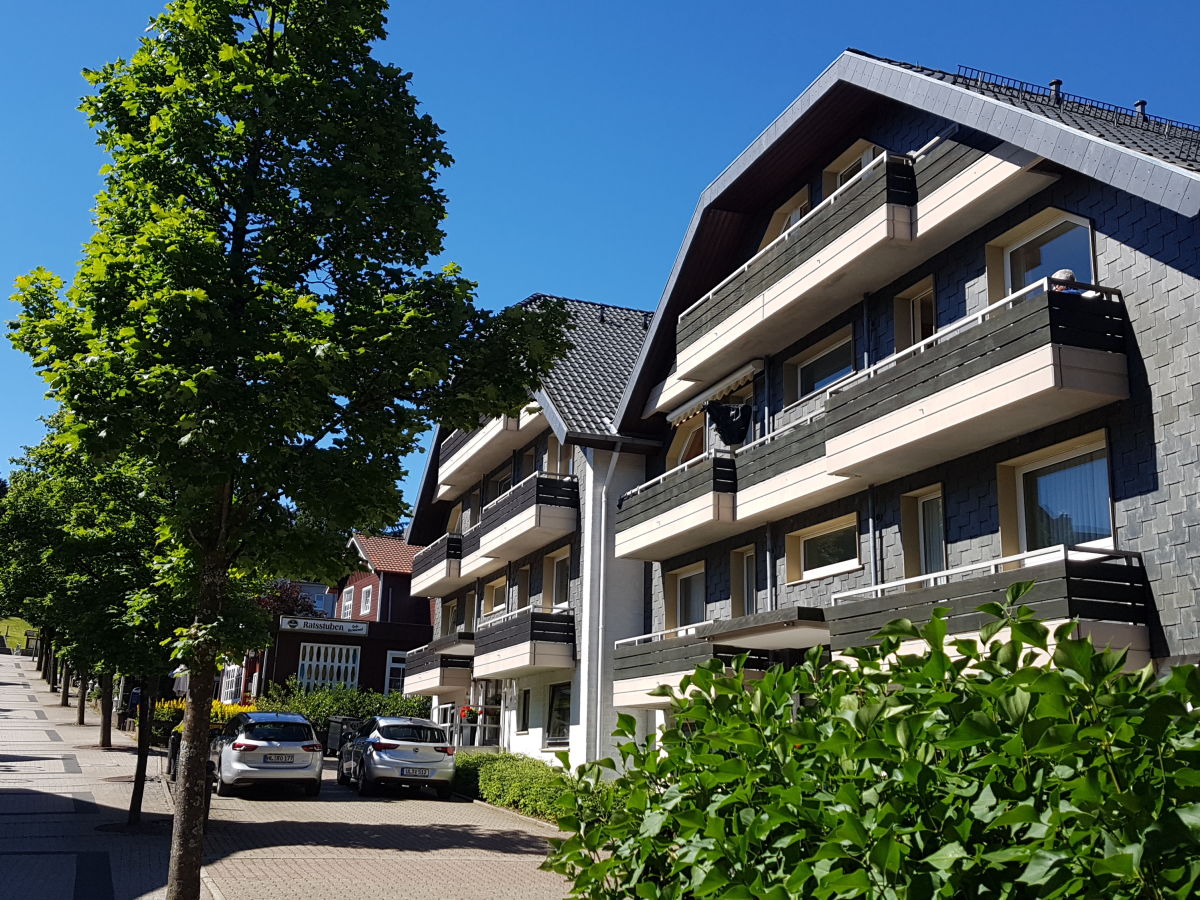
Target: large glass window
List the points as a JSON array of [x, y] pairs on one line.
[[823, 550], [1067, 502], [394, 676], [689, 591], [688, 442], [933, 534], [821, 371], [562, 580], [1066, 245], [558, 714], [347, 603], [744, 581], [365, 601]]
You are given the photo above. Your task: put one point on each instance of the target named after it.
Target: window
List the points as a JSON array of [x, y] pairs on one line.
[[499, 484], [820, 366], [932, 533], [916, 314], [393, 677], [278, 732], [522, 587], [792, 211], [560, 457], [347, 603], [451, 616], [856, 158], [528, 462], [743, 576], [364, 604], [454, 523], [523, 711], [231, 684], [326, 665], [1066, 501], [823, 550], [1064, 243], [689, 594], [416, 734], [556, 579], [558, 714], [688, 442], [494, 598]]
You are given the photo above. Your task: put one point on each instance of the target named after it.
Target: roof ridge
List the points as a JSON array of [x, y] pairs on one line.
[[544, 295]]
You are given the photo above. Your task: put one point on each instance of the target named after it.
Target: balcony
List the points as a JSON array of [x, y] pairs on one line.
[[467, 456], [431, 671], [1105, 590], [801, 279], [900, 210], [435, 571], [1046, 353], [684, 508], [538, 510], [641, 664], [525, 642]]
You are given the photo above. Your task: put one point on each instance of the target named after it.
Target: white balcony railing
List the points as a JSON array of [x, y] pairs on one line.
[[498, 616], [681, 631]]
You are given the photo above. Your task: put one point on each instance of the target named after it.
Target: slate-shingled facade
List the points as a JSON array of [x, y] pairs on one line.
[[518, 518], [931, 416]]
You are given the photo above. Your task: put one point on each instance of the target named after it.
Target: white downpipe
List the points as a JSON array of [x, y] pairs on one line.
[[598, 663]]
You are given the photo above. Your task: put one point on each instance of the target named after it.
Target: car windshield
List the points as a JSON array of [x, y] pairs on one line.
[[419, 734], [278, 731]]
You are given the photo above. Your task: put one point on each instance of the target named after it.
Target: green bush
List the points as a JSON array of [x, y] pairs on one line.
[[318, 705], [1028, 766], [467, 767], [522, 783]]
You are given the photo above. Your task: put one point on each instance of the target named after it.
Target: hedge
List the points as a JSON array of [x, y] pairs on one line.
[[318, 705], [521, 783]]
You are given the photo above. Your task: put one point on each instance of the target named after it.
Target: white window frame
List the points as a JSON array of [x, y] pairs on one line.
[[1108, 543], [327, 665], [920, 499], [685, 431], [496, 588], [365, 598], [396, 659], [347, 603], [1035, 233], [822, 348], [550, 598], [677, 577], [794, 547], [232, 677], [861, 151], [744, 579]]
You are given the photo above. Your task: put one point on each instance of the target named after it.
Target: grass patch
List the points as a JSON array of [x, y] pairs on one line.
[[13, 631]]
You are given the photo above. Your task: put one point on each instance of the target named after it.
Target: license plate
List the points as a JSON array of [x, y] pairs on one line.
[[278, 757], [415, 773]]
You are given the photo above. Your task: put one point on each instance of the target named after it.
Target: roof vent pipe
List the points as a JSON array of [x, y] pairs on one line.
[[1140, 106], [1056, 91]]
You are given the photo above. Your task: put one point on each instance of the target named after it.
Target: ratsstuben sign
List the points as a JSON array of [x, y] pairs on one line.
[[322, 626]]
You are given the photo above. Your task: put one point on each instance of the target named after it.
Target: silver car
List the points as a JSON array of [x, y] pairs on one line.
[[397, 750], [267, 748]]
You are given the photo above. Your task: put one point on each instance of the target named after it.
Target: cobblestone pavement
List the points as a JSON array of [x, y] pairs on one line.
[[62, 810]]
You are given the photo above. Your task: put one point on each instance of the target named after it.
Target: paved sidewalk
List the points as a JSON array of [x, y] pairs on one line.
[[63, 802]]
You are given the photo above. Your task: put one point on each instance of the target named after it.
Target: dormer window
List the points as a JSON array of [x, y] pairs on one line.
[[856, 158], [792, 211], [688, 442]]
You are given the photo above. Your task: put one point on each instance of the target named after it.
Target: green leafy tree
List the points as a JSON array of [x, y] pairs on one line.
[[1028, 766], [256, 313]]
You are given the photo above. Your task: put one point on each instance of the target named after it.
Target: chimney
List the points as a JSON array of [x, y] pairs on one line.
[[1140, 106], [1056, 91]]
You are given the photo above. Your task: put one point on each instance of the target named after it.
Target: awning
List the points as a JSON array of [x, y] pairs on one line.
[[722, 388]]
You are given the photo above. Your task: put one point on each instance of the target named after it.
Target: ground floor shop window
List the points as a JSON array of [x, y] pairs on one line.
[[326, 665], [558, 714]]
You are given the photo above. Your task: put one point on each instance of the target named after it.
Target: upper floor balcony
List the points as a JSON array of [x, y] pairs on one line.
[[435, 571], [686, 507], [540, 509], [1105, 590], [899, 210], [438, 668], [467, 456], [1045, 353], [662, 658], [526, 641]]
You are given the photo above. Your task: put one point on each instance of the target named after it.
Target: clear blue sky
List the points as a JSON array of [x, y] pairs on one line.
[[583, 132]]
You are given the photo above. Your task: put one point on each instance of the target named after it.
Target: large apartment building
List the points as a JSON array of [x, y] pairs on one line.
[[518, 519], [930, 334]]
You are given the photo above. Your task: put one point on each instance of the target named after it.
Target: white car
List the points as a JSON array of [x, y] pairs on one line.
[[267, 748], [397, 750]]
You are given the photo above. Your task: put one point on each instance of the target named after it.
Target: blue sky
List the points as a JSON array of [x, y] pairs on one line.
[[583, 132]]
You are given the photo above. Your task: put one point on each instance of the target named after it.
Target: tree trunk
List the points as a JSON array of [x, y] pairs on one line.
[[81, 702], [52, 677], [64, 698], [144, 719], [106, 708], [187, 837], [40, 666]]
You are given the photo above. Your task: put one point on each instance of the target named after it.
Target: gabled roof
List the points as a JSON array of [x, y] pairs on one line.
[[582, 391], [1155, 159], [385, 553]]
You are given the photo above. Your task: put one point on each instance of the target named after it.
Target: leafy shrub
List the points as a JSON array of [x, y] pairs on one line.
[[467, 767], [168, 716], [522, 783], [1018, 767], [318, 705]]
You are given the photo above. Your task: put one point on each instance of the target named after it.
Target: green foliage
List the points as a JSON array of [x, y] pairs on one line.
[[467, 767], [521, 783], [1031, 765], [318, 705]]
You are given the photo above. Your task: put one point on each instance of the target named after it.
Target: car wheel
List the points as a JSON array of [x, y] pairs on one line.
[[444, 791], [313, 789], [342, 778], [366, 785], [223, 789]]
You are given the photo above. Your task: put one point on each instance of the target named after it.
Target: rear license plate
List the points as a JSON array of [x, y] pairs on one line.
[[415, 773], [278, 757]]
